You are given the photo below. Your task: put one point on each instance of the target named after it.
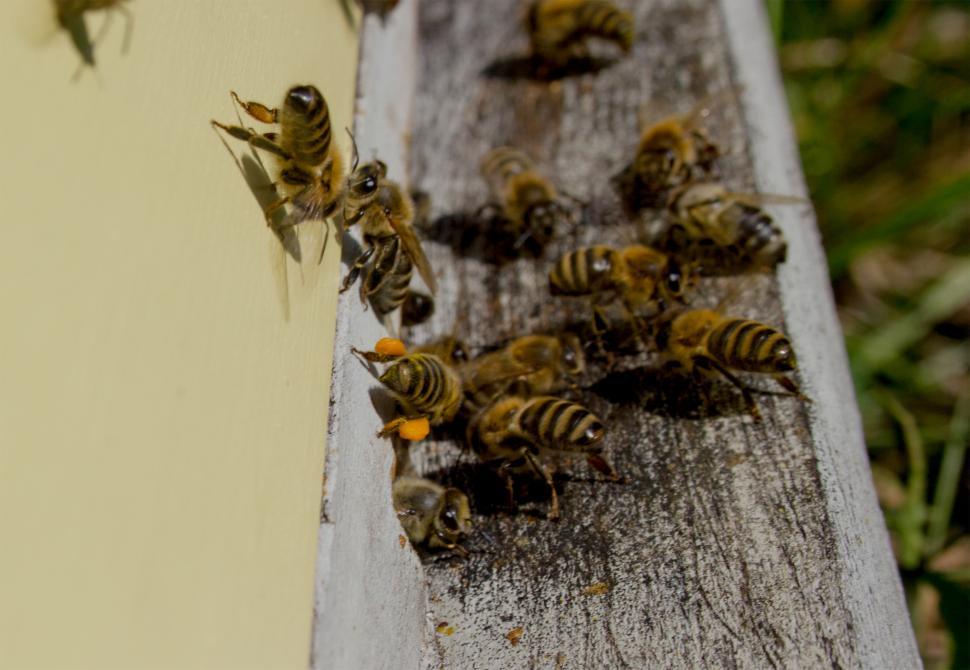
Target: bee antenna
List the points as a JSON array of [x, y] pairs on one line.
[[353, 141]]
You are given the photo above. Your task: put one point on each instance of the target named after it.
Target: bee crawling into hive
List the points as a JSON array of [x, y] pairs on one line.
[[515, 432], [429, 391], [432, 515], [707, 344]]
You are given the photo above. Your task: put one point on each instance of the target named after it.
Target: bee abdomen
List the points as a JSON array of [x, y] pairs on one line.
[[387, 283], [305, 125], [760, 237], [745, 345], [557, 423], [603, 19], [582, 271], [503, 163]]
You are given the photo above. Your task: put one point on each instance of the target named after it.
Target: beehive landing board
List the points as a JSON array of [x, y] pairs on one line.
[[721, 549]]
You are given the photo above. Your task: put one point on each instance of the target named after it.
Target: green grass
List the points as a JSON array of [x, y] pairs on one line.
[[880, 97]]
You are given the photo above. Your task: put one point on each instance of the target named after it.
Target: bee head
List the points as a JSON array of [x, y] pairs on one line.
[[417, 308], [541, 220], [365, 179], [303, 99], [455, 518]]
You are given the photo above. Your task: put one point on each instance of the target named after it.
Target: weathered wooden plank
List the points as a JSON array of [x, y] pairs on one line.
[[370, 593], [731, 543]]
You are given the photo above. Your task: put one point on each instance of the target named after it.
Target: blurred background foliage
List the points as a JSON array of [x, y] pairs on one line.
[[880, 97]]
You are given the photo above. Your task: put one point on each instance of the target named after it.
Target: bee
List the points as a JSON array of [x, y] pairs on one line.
[[427, 388], [451, 350], [534, 365], [388, 277], [558, 29], [707, 216], [70, 16], [385, 218], [431, 514], [514, 431], [310, 165], [670, 152], [637, 276], [527, 202], [707, 344]]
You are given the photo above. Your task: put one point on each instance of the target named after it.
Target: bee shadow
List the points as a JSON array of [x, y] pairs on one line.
[[261, 186], [667, 393], [489, 495], [529, 67], [484, 238]]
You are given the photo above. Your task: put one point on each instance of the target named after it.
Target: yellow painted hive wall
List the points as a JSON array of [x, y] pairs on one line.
[[162, 425]]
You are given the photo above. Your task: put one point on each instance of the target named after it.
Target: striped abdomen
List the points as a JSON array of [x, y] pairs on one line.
[[556, 24], [305, 125], [750, 346], [553, 423], [386, 284], [501, 164], [757, 234], [427, 384], [583, 271]]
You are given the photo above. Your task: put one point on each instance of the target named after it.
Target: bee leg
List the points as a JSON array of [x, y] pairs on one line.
[[543, 472], [391, 426], [257, 110], [705, 363], [601, 465], [505, 473], [129, 27], [598, 325], [356, 268], [374, 357], [254, 139], [791, 387]]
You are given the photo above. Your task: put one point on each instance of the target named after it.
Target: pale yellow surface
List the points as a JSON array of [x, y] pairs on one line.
[[161, 425]]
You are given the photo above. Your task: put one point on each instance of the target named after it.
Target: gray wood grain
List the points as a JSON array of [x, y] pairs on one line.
[[732, 544]]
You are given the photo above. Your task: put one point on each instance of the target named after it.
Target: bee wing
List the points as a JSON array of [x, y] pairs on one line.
[[412, 247], [494, 369], [756, 199]]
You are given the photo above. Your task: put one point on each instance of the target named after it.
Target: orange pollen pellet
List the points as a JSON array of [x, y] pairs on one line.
[[415, 429], [390, 346]]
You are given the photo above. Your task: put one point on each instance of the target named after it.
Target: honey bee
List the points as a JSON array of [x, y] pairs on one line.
[[385, 219], [70, 16], [558, 29], [431, 515], [451, 350], [428, 390], [707, 344], [534, 365], [514, 431], [637, 276], [670, 152], [310, 165], [708, 216], [527, 202], [388, 277]]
